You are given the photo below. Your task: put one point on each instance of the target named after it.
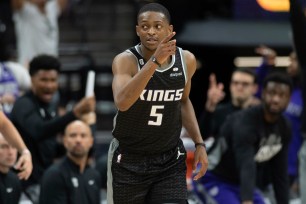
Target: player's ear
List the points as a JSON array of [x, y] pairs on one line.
[[171, 28]]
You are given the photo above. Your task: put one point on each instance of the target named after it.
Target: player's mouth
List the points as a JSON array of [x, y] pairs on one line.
[[152, 41]]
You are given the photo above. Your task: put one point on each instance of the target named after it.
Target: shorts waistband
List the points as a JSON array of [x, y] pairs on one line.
[[148, 154]]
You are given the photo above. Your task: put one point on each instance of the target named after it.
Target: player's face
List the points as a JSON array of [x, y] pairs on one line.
[[242, 86], [78, 139], [276, 97], [45, 84], [8, 154], [152, 28]]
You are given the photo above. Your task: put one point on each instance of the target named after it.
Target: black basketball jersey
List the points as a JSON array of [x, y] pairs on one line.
[[153, 123]]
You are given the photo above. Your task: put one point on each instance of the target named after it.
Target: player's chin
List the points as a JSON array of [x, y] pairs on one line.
[[151, 45]]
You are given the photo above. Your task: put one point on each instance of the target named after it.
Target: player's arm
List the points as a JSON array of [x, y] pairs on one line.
[[17, 4], [10, 133], [24, 163], [128, 82], [62, 4], [189, 119]]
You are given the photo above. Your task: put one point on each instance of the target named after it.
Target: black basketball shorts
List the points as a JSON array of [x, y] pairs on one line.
[[142, 179]]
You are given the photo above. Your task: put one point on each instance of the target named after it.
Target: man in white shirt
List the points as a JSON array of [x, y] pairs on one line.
[[36, 27]]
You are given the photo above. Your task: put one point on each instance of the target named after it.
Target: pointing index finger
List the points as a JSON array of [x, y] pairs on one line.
[[168, 38]]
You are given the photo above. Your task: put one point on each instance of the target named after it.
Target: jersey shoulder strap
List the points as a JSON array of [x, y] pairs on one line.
[[141, 61]]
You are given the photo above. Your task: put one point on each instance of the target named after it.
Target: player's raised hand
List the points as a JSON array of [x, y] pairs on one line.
[[166, 48]]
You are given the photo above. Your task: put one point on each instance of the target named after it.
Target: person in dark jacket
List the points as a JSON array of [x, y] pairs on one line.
[[255, 149], [71, 180], [243, 86], [35, 115]]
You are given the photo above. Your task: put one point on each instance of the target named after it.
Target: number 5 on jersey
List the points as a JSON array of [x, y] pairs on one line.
[[157, 116]]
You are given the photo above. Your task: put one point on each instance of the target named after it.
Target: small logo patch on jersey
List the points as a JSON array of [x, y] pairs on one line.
[[176, 74], [175, 69], [141, 62], [119, 158], [91, 182]]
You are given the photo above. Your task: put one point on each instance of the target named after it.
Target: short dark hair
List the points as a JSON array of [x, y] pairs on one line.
[[155, 7], [278, 77], [44, 62], [248, 71]]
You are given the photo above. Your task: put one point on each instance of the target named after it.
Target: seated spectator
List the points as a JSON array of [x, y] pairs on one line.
[[243, 86], [36, 118], [10, 186], [255, 149], [71, 180]]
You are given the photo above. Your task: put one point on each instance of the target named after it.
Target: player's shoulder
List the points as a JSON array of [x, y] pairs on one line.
[[124, 62], [187, 53], [125, 55], [190, 61]]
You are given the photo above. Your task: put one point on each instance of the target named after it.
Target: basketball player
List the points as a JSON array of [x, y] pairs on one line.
[[151, 88]]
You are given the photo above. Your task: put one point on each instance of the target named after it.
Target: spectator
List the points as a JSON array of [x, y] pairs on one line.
[[36, 27], [298, 24], [10, 133], [14, 78], [10, 186], [71, 180], [294, 109], [256, 149], [37, 118], [243, 86]]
